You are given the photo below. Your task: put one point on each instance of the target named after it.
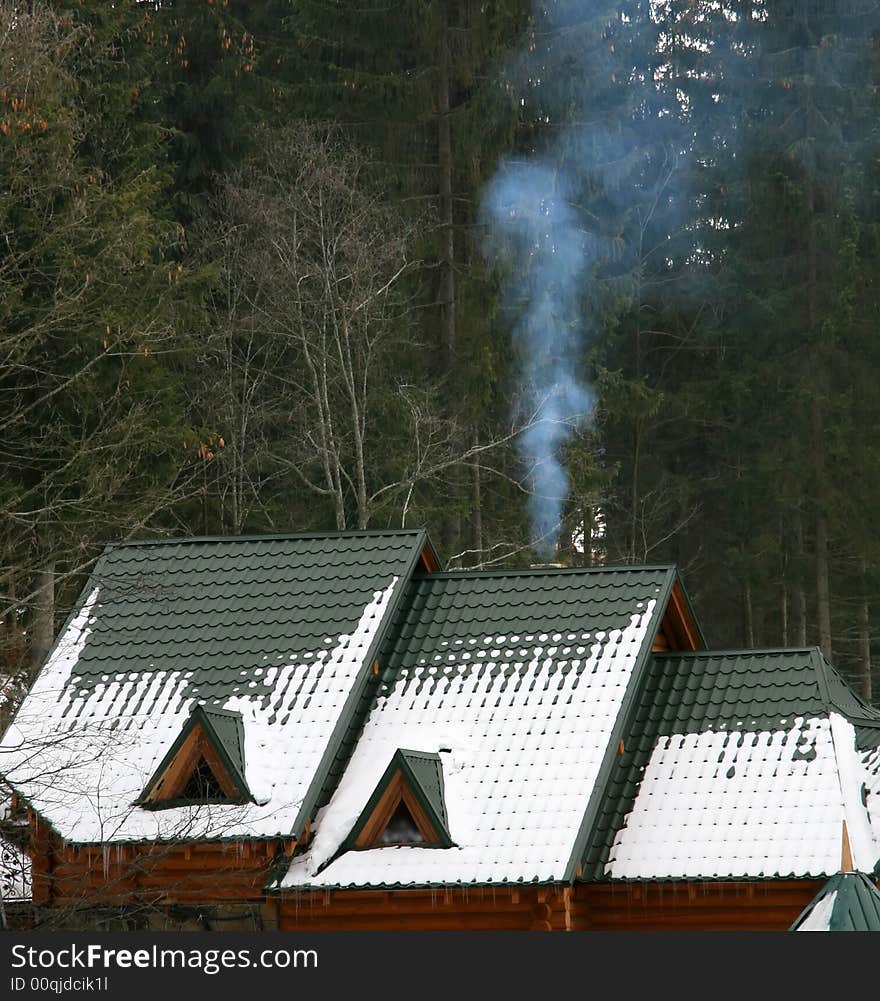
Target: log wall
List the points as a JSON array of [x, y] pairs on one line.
[[768, 905], [221, 874], [451, 909], [705, 906], [196, 873]]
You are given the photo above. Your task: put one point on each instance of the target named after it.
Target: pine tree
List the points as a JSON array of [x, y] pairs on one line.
[[89, 303]]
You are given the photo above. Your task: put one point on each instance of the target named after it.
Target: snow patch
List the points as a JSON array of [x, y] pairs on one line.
[[819, 918], [83, 760], [527, 731]]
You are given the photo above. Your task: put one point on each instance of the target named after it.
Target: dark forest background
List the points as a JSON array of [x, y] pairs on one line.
[[245, 287]]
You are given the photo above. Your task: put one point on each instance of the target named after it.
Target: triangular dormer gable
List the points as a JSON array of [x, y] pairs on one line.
[[407, 806], [678, 629], [205, 764]]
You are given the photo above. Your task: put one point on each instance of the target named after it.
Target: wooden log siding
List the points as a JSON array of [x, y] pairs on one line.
[[759, 905], [206, 873], [120, 874], [483, 908], [697, 906]]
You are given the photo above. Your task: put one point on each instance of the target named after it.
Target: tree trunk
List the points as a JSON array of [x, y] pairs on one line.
[[800, 595], [42, 631], [823, 595], [865, 640], [588, 521], [451, 530], [12, 641], [748, 616], [783, 610], [477, 515], [817, 450], [634, 492], [784, 596], [444, 165]]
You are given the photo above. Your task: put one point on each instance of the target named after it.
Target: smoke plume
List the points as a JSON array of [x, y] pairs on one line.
[[549, 257]]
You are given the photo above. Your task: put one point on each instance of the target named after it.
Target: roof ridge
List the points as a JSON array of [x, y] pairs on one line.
[[474, 574], [263, 536], [733, 652]]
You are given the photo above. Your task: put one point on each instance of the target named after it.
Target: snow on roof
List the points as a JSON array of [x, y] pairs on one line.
[[736, 764], [819, 918], [141, 653], [522, 723], [748, 803]]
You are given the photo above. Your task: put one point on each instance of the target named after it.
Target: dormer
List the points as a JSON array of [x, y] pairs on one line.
[[407, 807], [205, 764]]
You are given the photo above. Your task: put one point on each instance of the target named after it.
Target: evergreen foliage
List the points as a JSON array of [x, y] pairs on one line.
[[168, 282]]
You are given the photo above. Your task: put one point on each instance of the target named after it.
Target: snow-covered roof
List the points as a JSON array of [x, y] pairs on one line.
[[563, 747], [282, 630], [745, 765], [521, 718]]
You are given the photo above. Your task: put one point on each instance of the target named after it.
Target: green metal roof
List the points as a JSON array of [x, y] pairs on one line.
[[477, 603], [426, 775], [516, 603], [528, 669], [539, 602], [849, 901], [220, 601], [224, 621], [692, 693]]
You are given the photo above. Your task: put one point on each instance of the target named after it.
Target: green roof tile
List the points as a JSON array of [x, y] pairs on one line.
[[695, 693], [520, 675], [283, 628], [849, 901]]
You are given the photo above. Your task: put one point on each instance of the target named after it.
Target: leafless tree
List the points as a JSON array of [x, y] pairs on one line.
[[312, 365]]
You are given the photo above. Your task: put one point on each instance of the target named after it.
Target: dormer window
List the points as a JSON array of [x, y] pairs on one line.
[[205, 764], [203, 786], [407, 806], [401, 829]]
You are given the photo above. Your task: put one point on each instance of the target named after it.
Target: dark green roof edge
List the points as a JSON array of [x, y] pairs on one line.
[[549, 571], [267, 536], [432, 885], [349, 713], [398, 763], [735, 652], [522, 881], [818, 662], [231, 714], [618, 731], [198, 717]]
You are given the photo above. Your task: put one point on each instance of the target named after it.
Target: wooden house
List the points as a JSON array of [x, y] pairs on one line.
[[330, 732]]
